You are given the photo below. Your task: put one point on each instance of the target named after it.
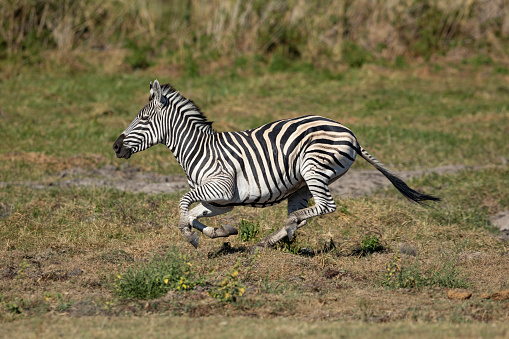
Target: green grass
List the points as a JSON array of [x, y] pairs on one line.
[[410, 275], [248, 230], [403, 119]]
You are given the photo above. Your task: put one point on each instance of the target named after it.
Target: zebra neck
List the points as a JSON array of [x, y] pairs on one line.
[[192, 150]]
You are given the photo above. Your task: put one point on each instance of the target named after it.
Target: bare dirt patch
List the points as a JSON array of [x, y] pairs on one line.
[[355, 183]]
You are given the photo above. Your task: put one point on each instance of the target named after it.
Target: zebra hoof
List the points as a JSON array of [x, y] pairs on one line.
[[257, 249], [193, 239], [262, 245], [290, 232], [230, 230]]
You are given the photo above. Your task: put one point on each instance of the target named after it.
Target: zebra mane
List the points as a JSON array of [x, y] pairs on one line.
[[170, 95]]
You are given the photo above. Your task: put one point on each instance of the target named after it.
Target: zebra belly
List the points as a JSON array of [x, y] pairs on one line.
[[261, 193]]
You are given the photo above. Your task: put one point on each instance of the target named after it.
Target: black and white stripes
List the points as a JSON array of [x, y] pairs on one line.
[[292, 159]]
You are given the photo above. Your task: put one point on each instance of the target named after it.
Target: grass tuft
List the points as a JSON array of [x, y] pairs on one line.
[[249, 230], [371, 244], [174, 271]]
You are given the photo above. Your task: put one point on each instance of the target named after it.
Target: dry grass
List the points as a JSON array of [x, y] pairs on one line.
[[314, 31], [241, 327], [49, 163]]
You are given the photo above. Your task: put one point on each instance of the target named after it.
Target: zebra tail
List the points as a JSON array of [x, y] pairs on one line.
[[395, 180]]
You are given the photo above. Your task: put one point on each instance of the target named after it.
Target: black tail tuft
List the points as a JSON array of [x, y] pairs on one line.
[[397, 182], [407, 191]]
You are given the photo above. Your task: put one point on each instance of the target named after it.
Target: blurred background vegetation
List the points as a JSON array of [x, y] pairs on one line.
[[200, 34]]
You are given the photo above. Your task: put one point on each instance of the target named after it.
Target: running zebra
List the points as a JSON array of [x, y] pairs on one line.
[[293, 159]]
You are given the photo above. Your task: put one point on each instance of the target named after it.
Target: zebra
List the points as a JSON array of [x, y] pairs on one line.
[[292, 159]]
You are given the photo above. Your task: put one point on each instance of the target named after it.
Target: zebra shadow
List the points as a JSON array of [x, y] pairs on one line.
[[227, 249]]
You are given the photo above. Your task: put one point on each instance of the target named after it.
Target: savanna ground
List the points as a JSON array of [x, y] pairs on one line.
[[82, 256]]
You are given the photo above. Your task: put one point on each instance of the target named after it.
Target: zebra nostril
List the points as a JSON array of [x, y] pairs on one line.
[[117, 145]]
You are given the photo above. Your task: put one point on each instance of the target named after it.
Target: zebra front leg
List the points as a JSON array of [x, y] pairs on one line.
[[184, 225], [207, 210]]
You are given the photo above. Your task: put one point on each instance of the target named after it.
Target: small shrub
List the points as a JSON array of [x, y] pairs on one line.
[[370, 244], [17, 305], [23, 266], [398, 277], [13, 308], [354, 55], [155, 278], [138, 59], [248, 230]]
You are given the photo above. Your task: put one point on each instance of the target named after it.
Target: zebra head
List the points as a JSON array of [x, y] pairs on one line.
[[144, 130]]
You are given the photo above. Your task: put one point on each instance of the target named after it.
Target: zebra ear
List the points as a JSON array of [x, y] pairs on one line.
[[155, 91]]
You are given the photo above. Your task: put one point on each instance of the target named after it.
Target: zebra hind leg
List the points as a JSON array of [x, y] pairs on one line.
[[207, 210], [324, 203], [297, 201]]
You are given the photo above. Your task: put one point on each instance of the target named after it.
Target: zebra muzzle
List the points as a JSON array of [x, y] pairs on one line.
[[121, 151]]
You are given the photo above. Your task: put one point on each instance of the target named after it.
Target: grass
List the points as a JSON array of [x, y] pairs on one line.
[[403, 119], [248, 230], [244, 327], [155, 278], [62, 248], [51, 233], [410, 275], [322, 33]]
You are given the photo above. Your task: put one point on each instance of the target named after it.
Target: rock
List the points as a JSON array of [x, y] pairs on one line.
[[499, 296], [504, 235], [458, 294], [406, 248], [501, 220]]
